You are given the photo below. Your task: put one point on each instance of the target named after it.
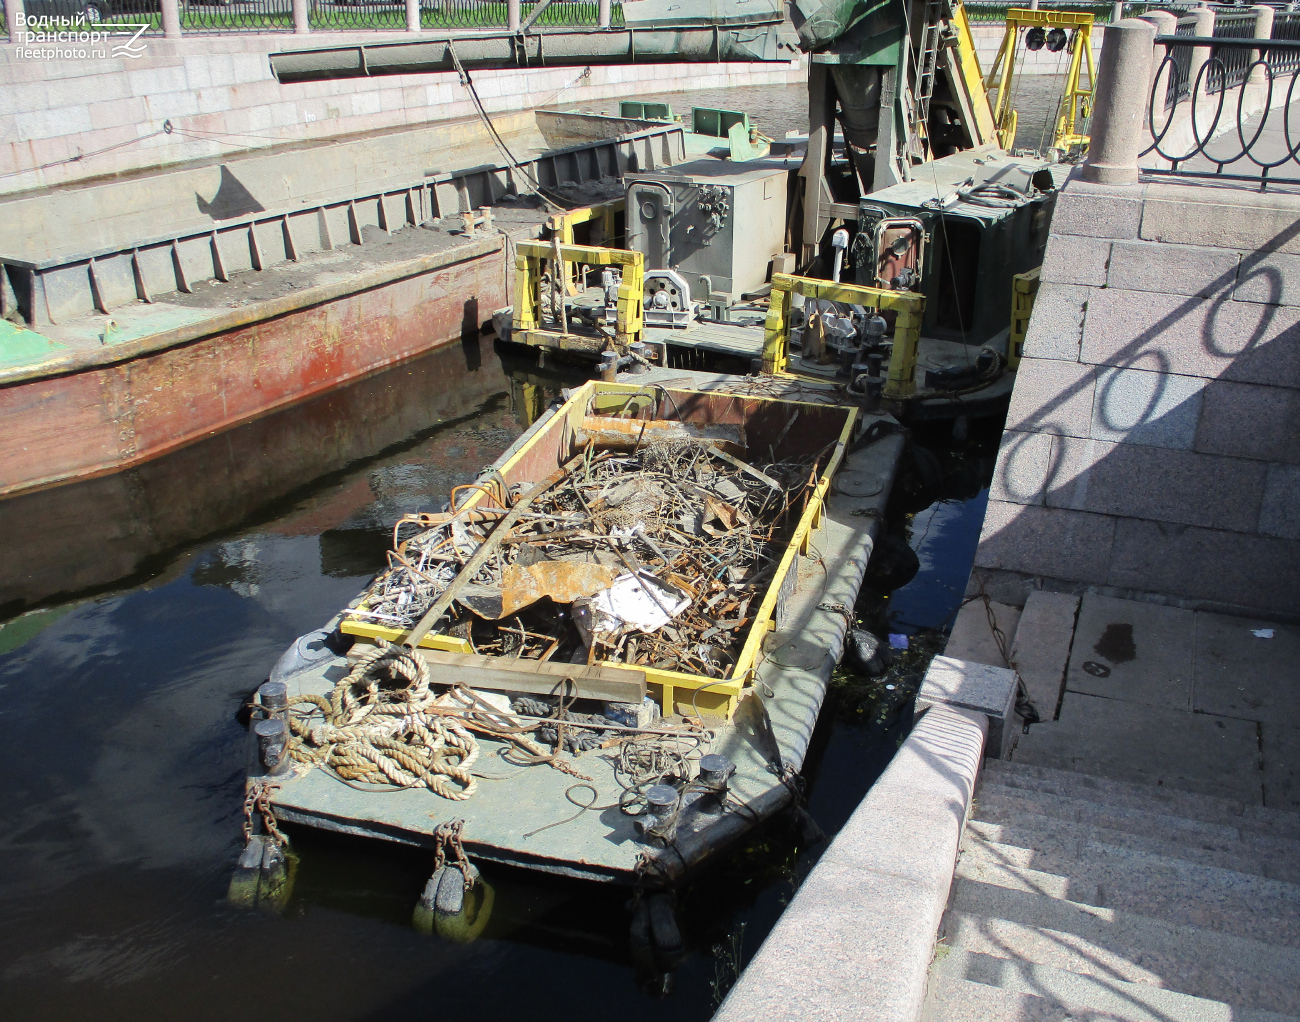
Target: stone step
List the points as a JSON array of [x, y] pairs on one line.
[[1040, 650], [1145, 884], [1110, 997], [1135, 794], [1108, 943], [998, 803], [957, 1000], [1260, 856], [1197, 752]]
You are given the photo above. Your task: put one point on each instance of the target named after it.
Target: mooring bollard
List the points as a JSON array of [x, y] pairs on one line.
[[1123, 77], [272, 736], [661, 801], [273, 698], [715, 774]]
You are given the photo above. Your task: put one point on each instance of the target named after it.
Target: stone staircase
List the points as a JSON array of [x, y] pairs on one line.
[[1085, 898]]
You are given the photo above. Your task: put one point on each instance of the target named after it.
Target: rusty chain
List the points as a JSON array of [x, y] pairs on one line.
[[448, 835], [258, 800]]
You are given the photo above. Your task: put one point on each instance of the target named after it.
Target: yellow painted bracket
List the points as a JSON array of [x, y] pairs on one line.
[[529, 257], [1024, 289], [900, 382], [1075, 100]]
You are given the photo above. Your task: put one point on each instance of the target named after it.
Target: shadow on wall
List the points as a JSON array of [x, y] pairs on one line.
[[1153, 439], [231, 200]]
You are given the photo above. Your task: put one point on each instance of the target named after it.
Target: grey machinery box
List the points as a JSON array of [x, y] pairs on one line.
[[710, 218]]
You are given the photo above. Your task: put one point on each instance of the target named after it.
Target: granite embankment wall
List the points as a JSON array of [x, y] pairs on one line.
[[1153, 438], [67, 121]]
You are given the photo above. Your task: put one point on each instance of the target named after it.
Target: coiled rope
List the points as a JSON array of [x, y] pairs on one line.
[[377, 727]]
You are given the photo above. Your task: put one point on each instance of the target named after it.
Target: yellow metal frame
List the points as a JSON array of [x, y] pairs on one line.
[[984, 130], [900, 381], [565, 221], [527, 329], [713, 696], [1024, 289], [1075, 99]]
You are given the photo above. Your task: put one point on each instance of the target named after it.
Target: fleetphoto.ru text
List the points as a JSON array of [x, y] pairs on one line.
[[58, 37]]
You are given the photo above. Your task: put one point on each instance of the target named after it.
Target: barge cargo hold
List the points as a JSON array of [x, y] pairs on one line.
[[759, 715]]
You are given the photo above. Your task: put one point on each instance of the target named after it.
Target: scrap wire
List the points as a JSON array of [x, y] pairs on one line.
[[682, 512]]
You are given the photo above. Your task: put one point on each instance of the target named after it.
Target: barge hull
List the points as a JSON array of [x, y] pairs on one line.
[[86, 415]]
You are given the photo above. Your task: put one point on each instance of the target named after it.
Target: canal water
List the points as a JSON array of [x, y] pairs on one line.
[[124, 754], [123, 761], [777, 110]]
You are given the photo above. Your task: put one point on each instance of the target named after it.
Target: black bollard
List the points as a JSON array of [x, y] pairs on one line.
[[272, 737]]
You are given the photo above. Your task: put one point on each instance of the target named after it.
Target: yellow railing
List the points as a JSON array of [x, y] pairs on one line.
[[527, 325], [900, 382]]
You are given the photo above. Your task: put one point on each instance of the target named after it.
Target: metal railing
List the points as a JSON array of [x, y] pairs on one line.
[[222, 17], [1236, 63], [358, 15], [1286, 25], [1201, 130], [983, 12]]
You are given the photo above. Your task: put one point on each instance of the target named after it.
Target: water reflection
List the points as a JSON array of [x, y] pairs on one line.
[[124, 755]]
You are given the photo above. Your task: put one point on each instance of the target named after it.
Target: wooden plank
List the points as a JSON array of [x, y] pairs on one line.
[[617, 684]]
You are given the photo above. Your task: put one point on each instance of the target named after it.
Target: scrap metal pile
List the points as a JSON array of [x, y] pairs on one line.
[[653, 548]]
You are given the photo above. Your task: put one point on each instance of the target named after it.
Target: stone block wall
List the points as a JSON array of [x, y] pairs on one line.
[[1153, 438], [66, 121]]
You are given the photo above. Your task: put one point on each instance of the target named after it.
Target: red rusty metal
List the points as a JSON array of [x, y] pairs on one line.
[[101, 418], [95, 531]]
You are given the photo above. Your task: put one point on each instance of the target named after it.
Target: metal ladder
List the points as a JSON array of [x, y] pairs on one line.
[[928, 62]]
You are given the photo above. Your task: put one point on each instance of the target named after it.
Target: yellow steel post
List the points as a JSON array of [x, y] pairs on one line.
[[631, 293], [525, 317], [775, 340], [1024, 289], [900, 381]]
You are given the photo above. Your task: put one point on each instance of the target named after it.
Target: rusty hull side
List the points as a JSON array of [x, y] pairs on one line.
[[103, 418], [92, 533]]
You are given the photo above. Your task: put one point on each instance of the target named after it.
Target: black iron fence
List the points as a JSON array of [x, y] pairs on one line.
[[1203, 126], [983, 12], [220, 17]]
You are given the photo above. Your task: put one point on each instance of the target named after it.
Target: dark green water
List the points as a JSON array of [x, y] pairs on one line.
[[123, 762]]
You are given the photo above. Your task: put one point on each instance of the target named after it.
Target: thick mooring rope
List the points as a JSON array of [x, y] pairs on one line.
[[376, 728]]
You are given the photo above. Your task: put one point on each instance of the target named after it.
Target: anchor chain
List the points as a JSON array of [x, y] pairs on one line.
[[448, 836], [258, 800]]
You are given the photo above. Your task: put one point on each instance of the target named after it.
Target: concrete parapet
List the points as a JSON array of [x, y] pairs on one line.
[[857, 939], [980, 688]]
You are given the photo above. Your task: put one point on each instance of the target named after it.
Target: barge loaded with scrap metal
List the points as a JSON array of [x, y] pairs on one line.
[[604, 659]]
